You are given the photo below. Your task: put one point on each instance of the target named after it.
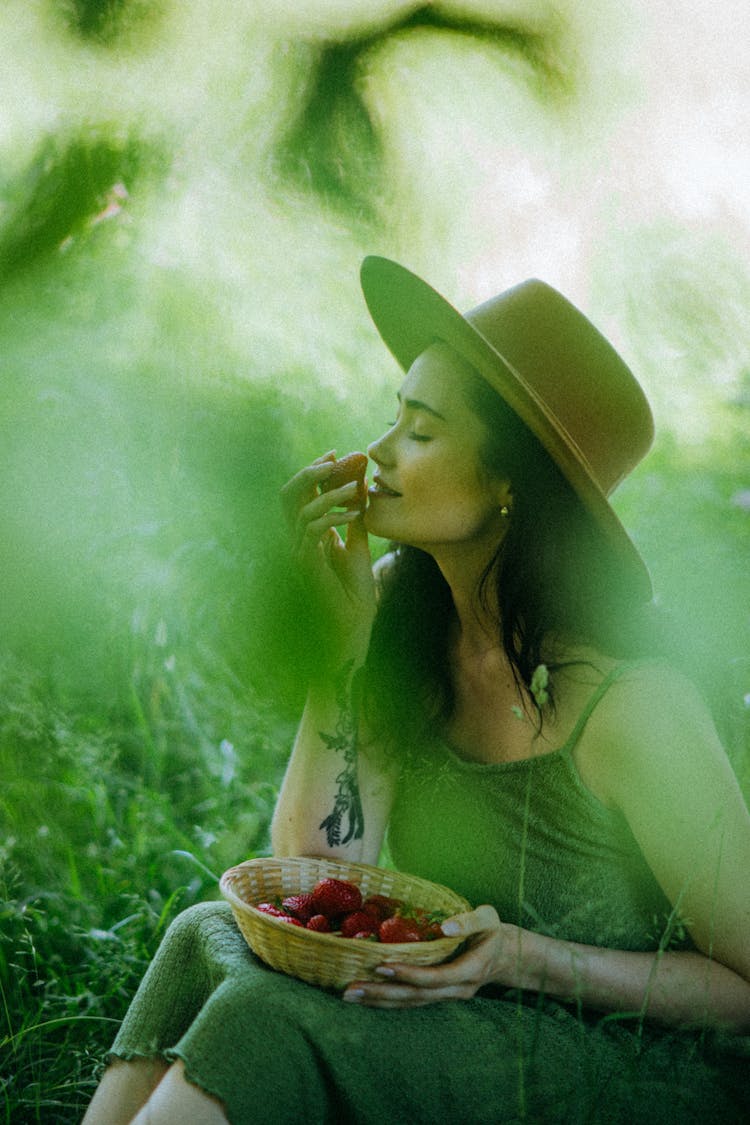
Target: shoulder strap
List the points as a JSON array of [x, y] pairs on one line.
[[612, 677]]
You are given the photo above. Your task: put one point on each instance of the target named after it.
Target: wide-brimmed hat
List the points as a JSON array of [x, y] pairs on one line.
[[550, 365]]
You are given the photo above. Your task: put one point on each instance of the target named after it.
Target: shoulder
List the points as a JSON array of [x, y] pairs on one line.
[[654, 732], [650, 698], [656, 686]]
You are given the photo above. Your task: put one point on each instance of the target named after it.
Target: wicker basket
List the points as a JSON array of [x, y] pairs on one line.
[[327, 959]]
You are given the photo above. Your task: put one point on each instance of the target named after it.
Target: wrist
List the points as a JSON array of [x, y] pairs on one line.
[[331, 684], [523, 960], [341, 656]]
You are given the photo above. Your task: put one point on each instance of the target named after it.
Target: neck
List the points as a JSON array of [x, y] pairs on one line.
[[476, 624]]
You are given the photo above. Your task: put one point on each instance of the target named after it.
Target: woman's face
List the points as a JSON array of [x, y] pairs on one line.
[[430, 489]]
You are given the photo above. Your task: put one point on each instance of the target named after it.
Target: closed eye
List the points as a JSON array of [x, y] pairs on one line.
[[413, 435]]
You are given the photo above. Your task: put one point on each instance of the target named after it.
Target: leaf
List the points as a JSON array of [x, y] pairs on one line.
[[539, 685]]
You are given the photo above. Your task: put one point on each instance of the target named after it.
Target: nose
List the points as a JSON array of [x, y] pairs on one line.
[[377, 450]]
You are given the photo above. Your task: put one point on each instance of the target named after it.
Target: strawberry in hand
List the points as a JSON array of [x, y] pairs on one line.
[[345, 470]]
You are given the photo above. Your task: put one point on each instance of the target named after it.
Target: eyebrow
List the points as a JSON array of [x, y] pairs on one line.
[[415, 404]]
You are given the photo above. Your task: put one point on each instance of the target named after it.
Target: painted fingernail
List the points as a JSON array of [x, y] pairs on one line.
[[384, 971], [353, 995], [450, 929]]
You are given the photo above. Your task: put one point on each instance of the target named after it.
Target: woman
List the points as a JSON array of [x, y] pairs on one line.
[[508, 730]]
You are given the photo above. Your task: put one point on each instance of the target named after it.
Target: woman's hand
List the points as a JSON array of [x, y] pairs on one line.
[[487, 959], [339, 572]]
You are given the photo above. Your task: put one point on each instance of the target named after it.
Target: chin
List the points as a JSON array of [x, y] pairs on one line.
[[376, 526]]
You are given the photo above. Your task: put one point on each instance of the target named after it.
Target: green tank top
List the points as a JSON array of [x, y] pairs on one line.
[[530, 838]]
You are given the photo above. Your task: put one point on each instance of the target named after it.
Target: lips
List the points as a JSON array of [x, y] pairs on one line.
[[380, 488]]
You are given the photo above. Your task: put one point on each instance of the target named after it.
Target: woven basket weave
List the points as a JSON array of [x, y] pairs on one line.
[[327, 959]]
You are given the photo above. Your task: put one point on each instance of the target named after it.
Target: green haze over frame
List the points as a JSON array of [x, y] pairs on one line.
[[185, 202]]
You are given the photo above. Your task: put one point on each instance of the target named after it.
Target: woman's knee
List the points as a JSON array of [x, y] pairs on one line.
[[188, 935], [198, 916]]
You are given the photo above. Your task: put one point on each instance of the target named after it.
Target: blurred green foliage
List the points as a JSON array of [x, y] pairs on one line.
[[104, 22], [331, 145], [68, 185]]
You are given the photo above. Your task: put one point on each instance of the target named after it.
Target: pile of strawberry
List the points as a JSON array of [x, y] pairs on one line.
[[335, 906]]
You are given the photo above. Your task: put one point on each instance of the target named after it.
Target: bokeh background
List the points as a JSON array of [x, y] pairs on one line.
[[187, 189]]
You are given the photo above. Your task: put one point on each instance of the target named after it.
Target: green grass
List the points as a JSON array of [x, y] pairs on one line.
[[112, 825]]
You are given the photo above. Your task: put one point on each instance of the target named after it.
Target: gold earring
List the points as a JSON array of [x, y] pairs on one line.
[[505, 511]]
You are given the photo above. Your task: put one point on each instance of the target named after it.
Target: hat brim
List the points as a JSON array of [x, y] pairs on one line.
[[410, 316]]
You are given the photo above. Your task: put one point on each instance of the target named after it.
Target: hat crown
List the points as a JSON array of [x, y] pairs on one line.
[[578, 380]]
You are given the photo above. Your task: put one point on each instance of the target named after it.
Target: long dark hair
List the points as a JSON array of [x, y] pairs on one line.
[[554, 581]]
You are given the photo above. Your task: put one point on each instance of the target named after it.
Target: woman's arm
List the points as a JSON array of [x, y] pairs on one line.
[[678, 989], [664, 767], [335, 797], [675, 989]]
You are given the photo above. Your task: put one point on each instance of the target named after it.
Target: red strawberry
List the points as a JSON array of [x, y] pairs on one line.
[[299, 906], [428, 922], [345, 469], [270, 908], [319, 923], [335, 896], [381, 907], [358, 922], [431, 931], [398, 929], [291, 921], [350, 468]]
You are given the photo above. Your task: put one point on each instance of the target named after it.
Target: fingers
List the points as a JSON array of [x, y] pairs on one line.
[[321, 535], [303, 486], [402, 995], [338, 572], [314, 519], [473, 922], [357, 538], [310, 513], [467, 969], [407, 986]]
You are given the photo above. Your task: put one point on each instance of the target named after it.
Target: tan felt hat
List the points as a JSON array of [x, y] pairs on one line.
[[550, 365]]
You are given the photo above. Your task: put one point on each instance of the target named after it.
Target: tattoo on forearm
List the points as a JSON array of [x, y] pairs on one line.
[[346, 820]]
